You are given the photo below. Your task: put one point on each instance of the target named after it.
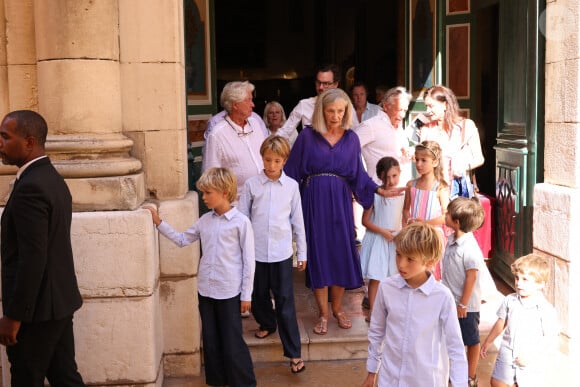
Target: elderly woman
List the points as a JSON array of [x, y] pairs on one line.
[[326, 162], [274, 117], [235, 141], [457, 136]]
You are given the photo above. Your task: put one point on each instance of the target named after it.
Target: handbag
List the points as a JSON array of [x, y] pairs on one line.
[[464, 185]]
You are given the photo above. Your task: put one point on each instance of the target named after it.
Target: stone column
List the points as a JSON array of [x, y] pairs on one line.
[[18, 89], [557, 200], [108, 76], [79, 94]]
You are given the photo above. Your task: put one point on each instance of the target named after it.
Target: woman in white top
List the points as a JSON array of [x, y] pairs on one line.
[[274, 118], [457, 136]]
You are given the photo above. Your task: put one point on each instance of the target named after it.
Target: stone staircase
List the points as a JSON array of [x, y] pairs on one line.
[[337, 344]]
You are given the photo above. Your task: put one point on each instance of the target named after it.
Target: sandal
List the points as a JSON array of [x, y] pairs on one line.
[[322, 327], [343, 320], [294, 366], [263, 333]]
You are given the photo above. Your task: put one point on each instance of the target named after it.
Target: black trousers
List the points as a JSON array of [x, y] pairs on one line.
[[44, 349], [277, 277], [226, 356]]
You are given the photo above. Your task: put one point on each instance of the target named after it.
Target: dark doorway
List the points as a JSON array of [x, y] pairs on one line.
[[278, 44], [486, 81]]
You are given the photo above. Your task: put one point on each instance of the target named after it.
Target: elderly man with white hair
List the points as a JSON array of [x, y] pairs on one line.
[[234, 142], [383, 135]]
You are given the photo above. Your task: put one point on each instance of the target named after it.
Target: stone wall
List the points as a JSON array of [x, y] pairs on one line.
[[108, 76], [557, 200]]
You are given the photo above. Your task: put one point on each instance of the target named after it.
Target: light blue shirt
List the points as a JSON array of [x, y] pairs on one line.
[[414, 334], [370, 111], [462, 254], [275, 211], [227, 266]]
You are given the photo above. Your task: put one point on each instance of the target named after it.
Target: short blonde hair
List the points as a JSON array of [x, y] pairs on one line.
[[420, 240], [468, 212], [325, 99], [533, 265], [269, 107], [278, 145], [220, 180]]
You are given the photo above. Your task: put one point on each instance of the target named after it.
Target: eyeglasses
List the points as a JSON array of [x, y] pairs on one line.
[[244, 134], [241, 134], [324, 84]]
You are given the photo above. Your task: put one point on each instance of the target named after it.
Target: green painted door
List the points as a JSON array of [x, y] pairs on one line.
[[519, 139]]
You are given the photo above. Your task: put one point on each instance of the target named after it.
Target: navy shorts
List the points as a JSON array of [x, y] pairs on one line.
[[470, 328]]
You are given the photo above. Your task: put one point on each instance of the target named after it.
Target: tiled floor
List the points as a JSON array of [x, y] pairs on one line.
[[347, 347]]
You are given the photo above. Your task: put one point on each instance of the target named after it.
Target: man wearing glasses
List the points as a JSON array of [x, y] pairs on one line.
[[327, 77]]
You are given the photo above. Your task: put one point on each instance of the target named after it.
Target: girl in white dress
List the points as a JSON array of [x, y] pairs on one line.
[[382, 221]]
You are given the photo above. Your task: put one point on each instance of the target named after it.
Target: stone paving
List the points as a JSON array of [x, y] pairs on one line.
[[338, 358]]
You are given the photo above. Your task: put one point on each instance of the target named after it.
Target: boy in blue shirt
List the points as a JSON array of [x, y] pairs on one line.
[[461, 271], [272, 202], [225, 278]]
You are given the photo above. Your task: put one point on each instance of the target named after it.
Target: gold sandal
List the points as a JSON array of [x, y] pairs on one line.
[[322, 327], [343, 320]]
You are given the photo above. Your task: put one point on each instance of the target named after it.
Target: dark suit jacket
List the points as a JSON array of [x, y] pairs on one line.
[[38, 276]]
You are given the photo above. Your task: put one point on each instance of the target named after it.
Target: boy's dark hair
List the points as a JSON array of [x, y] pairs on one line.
[[534, 266], [386, 163], [30, 124], [468, 212]]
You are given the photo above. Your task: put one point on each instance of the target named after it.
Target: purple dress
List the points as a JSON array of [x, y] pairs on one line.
[[328, 177]]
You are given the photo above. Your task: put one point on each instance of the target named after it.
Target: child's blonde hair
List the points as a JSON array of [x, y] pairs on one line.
[[533, 265], [278, 145], [468, 212], [220, 180], [433, 149], [420, 240]]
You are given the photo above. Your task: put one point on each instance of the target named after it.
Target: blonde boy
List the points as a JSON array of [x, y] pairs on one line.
[[414, 320], [225, 277], [272, 202], [530, 328]]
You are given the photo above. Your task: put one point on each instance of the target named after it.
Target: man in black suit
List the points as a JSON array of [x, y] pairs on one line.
[[39, 285]]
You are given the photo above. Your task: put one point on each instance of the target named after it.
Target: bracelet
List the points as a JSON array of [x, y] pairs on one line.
[[462, 306]]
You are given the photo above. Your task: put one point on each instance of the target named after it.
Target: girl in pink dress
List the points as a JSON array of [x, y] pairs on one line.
[[427, 196]]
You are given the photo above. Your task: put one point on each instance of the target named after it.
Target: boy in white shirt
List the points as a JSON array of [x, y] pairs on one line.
[[225, 277], [461, 272], [414, 331], [530, 328], [272, 202]]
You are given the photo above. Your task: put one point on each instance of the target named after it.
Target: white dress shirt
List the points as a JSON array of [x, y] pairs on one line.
[[378, 139], [211, 123], [302, 113], [411, 331], [275, 210], [458, 156], [226, 148], [227, 265]]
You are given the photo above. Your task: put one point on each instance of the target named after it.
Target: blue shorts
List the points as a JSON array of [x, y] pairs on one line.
[[470, 328]]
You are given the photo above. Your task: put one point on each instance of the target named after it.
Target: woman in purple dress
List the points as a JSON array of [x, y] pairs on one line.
[[326, 162]]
